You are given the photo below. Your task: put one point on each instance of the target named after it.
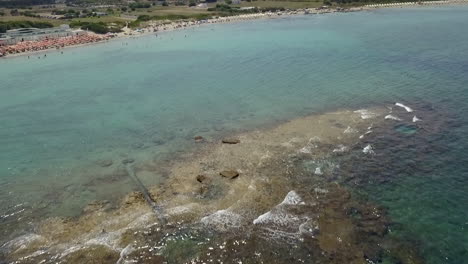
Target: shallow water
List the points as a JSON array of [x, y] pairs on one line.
[[147, 98]]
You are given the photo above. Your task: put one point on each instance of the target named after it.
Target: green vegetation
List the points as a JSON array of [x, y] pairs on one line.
[[144, 18], [23, 3], [139, 5], [29, 14], [283, 4], [230, 10], [99, 27], [347, 3], [4, 26]]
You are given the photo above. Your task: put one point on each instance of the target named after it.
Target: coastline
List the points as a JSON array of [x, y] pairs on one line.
[[105, 237], [155, 27]]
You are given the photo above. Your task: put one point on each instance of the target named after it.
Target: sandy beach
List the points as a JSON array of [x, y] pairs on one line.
[[153, 27]]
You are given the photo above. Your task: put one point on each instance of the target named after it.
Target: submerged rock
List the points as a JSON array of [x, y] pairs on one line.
[[105, 163], [231, 141], [199, 139], [201, 178], [138, 145], [158, 141], [231, 174], [94, 254], [96, 206], [128, 160], [134, 197]]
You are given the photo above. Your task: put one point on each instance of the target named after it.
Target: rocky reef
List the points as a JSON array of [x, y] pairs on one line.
[[279, 195]]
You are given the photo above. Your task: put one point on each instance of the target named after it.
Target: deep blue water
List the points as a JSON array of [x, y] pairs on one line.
[[149, 98]]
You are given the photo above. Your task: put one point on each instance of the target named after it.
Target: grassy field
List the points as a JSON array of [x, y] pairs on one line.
[[35, 19], [105, 19], [170, 10], [285, 4]]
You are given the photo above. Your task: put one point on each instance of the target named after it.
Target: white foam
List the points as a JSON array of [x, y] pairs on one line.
[[368, 150], [340, 149], [292, 198], [318, 171], [182, 209], [320, 190], [124, 253], [70, 250], [365, 114], [22, 241], [108, 239], [350, 130], [277, 218], [145, 220], [306, 150], [12, 214], [367, 132], [392, 117], [415, 119], [407, 108], [222, 220], [34, 254], [283, 222]]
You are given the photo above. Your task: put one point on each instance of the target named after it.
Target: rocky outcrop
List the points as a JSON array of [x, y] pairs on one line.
[[230, 174], [231, 141]]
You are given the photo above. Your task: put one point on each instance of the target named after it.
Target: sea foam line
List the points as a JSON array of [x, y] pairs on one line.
[[407, 108]]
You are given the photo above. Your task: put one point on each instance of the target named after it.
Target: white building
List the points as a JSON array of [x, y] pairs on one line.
[[14, 36]]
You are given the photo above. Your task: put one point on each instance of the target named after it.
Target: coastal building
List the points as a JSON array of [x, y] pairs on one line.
[[14, 36], [100, 13]]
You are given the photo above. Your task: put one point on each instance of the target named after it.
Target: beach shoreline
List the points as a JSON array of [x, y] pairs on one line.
[[155, 27]]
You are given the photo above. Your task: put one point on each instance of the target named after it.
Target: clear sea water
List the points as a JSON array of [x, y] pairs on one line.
[[146, 98]]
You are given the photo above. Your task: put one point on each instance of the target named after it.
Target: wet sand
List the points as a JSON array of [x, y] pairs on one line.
[[277, 188]]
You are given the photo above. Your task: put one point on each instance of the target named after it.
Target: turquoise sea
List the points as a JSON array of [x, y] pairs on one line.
[[65, 115]]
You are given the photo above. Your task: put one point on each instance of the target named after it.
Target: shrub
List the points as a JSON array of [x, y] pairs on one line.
[[99, 28], [139, 5], [144, 18]]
